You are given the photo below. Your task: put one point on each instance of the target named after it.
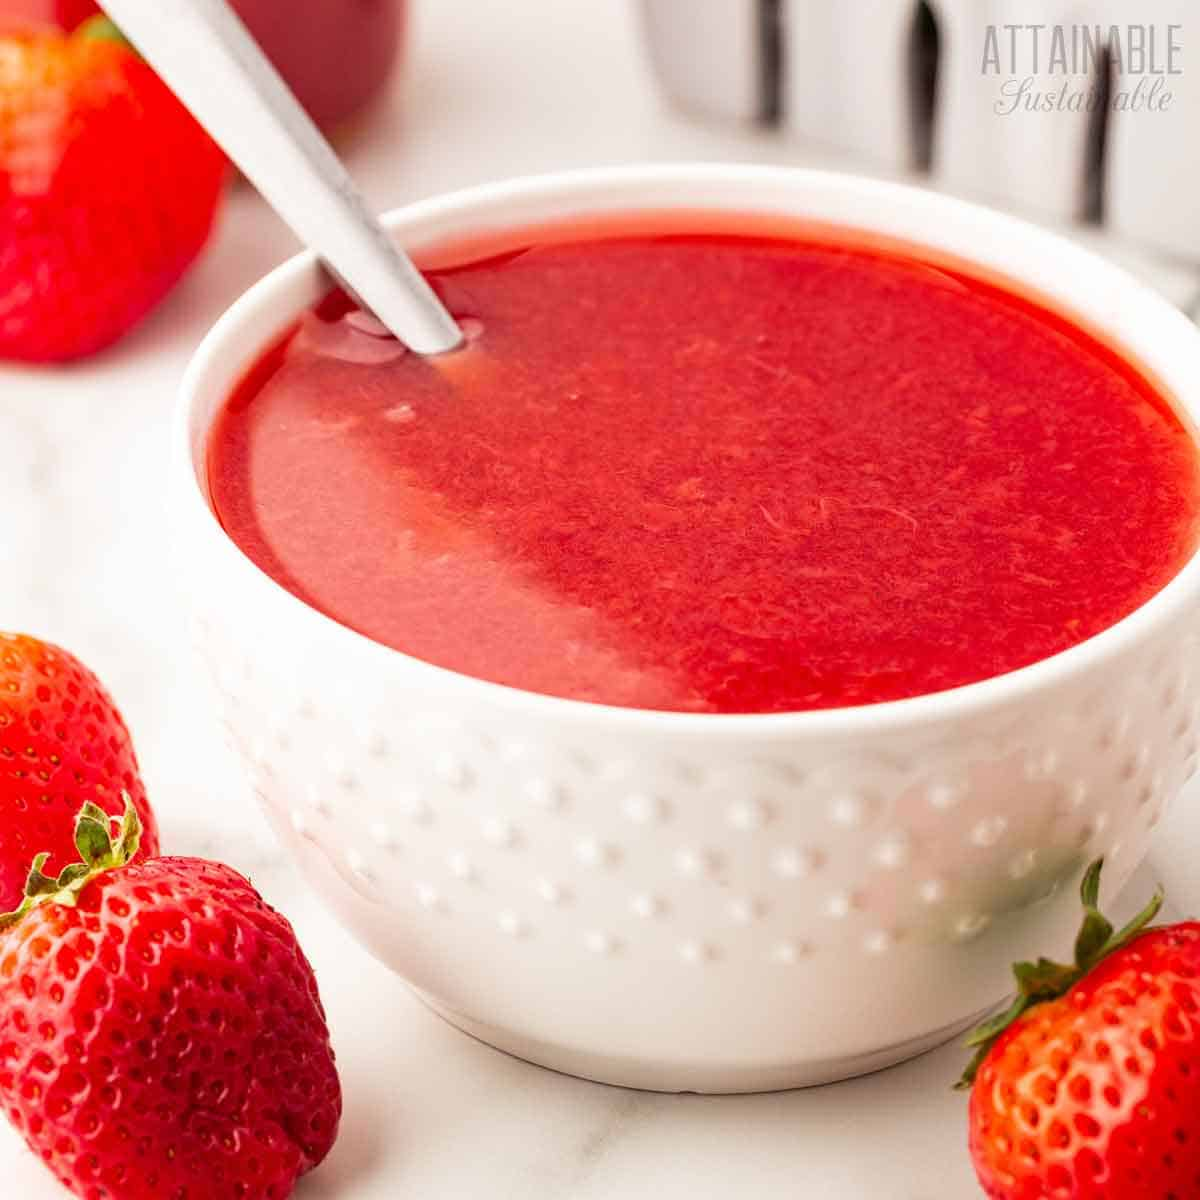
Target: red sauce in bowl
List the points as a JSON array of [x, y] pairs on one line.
[[732, 473]]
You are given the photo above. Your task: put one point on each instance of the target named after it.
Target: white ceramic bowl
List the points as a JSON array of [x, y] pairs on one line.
[[682, 901]]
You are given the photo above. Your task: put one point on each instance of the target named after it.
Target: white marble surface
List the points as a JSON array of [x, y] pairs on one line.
[[490, 90]]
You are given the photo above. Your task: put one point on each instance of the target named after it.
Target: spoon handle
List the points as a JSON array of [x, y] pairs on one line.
[[207, 57]]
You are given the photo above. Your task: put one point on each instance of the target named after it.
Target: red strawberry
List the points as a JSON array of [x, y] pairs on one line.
[[1088, 1088], [65, 13], [161, 1035], [108, 189], [62, 742]]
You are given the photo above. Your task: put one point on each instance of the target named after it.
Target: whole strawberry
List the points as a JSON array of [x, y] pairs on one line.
[[108, 190], [161, 1035], [1089, 1087], [62, 742]]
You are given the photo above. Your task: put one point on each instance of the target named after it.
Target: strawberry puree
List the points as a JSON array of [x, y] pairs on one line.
[[716, 473]]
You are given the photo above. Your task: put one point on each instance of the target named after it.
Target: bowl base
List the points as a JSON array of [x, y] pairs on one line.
[[650, 1075]]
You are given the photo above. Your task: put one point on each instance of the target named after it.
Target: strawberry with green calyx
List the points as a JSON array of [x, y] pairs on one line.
[[1045, 980], [62, 744], [1088, 1088], [161, 1033], [98, 851], [108, 190]]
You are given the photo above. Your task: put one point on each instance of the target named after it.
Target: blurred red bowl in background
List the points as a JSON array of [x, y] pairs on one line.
[[336, 54]]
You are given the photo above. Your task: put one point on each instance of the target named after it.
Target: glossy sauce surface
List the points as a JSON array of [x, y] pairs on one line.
[[714, 473]]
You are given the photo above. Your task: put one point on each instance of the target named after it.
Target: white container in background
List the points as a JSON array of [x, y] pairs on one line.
[[847, 78], [1037, 161], [1152, 189], [708, 55]]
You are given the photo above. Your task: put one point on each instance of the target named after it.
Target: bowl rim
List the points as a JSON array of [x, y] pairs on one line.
[[255, 307]]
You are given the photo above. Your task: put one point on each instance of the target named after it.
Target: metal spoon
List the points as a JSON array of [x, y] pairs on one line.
[[207, 57]]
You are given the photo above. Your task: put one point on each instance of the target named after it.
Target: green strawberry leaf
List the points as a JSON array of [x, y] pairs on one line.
[[38, 884], [1140, 922], [1096, 930], [129, 840], [72, 873], [93, 840], [1043, 980]]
